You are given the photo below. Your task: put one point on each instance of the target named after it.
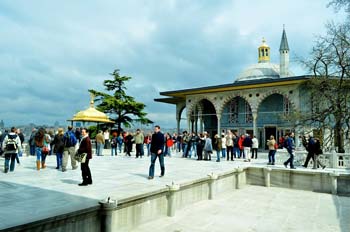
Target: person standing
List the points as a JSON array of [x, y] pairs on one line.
[[114, 144], [31, 142], [58, 147], [247, 145], [100, 141], [208, 147], [291, 149], [229, 145], [139, 139], [271, 143], [223, 146], [11, 145], [69, 149], [148, 143], [218, 147], [106, 138], [200, 146], [255, 146], [39, 139], [157, 149], [85, 147]]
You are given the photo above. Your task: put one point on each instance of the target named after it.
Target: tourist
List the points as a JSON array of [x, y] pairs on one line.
[[229, 145], [148, 140], [69, 149], [240, 146], [120, 142], [255, 146], [247, 146], [139, 139], [200, 146], [21, 137], [308, 142], [185, 141], [157, 149], [128, 140], [78, 134], [11, 146], [223, 146], [100, 141], [272, 145], [192, 146], [40, 148], [106, 138], [85, 147], [178, 142], [31, 142], [236, 150], [289, 145], [114, 144], [218, 147], [169, 143], [208, 147], [318, 151], [58, 147]]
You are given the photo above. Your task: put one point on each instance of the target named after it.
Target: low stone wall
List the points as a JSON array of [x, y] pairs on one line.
[[125, 214]]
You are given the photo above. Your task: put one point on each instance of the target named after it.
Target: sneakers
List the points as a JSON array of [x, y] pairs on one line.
[[83, 184], [150, 177], [285, 165]]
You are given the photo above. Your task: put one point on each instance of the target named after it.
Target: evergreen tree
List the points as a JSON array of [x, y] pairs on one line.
[[121, 108]]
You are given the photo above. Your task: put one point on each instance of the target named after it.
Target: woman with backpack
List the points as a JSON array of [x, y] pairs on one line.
[[58, 147]]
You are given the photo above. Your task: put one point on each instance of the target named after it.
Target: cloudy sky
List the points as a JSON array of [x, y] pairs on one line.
[[52, 52]]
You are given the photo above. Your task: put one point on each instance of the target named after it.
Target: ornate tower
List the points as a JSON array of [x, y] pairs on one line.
[[284, 55], [264, 52]]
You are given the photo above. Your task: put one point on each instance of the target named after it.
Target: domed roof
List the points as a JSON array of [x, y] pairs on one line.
[[260, 71], [91, 114]]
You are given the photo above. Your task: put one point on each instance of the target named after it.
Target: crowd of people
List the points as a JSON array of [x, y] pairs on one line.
[[66, 144]]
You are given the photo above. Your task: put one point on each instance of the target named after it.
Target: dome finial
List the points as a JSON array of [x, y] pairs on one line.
[[264, 52], [92, 97]]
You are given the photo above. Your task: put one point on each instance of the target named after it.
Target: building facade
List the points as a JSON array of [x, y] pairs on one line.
[[258, 102]]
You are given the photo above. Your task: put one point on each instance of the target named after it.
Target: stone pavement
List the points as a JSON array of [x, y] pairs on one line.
[[256, 208], [33, 195]]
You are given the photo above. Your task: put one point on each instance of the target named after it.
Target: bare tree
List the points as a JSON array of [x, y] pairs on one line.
[[329, 87]]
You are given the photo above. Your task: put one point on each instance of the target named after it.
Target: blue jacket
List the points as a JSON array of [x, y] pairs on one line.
[[290, 144]]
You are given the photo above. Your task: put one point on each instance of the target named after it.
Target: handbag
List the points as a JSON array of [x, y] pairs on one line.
[[45, 150], [80, 157]]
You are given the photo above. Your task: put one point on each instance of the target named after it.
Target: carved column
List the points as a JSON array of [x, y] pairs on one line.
[[219, 124], [255, 117]]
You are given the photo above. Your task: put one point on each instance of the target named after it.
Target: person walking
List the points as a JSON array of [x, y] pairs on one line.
[[31, 142], [114, 144], [271, 143], [157, 149], [11, 145], [291, 149], [69, 149], [85, 147]]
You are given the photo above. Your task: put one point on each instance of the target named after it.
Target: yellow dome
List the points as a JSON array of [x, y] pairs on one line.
[[91, 114]]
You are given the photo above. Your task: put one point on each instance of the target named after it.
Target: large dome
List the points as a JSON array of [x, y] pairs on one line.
[[260, 71]]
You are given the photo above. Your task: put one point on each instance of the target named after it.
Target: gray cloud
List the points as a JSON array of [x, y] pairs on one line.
[[51, 53]]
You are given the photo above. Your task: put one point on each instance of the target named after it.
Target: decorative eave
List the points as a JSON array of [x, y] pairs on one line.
[[180, 95]]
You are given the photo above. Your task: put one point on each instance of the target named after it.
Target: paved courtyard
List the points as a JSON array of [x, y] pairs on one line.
[[32, 195]]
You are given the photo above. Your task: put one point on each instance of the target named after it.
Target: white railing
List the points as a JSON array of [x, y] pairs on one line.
[[330, 159]]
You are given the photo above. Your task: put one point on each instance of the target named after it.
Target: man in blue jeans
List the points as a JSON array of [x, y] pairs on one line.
[[291, 149], [157, 149]]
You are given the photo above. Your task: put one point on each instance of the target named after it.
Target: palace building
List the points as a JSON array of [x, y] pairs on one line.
[[255, 103]]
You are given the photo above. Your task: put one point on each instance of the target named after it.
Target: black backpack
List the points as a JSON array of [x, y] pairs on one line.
[[11, 144]]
